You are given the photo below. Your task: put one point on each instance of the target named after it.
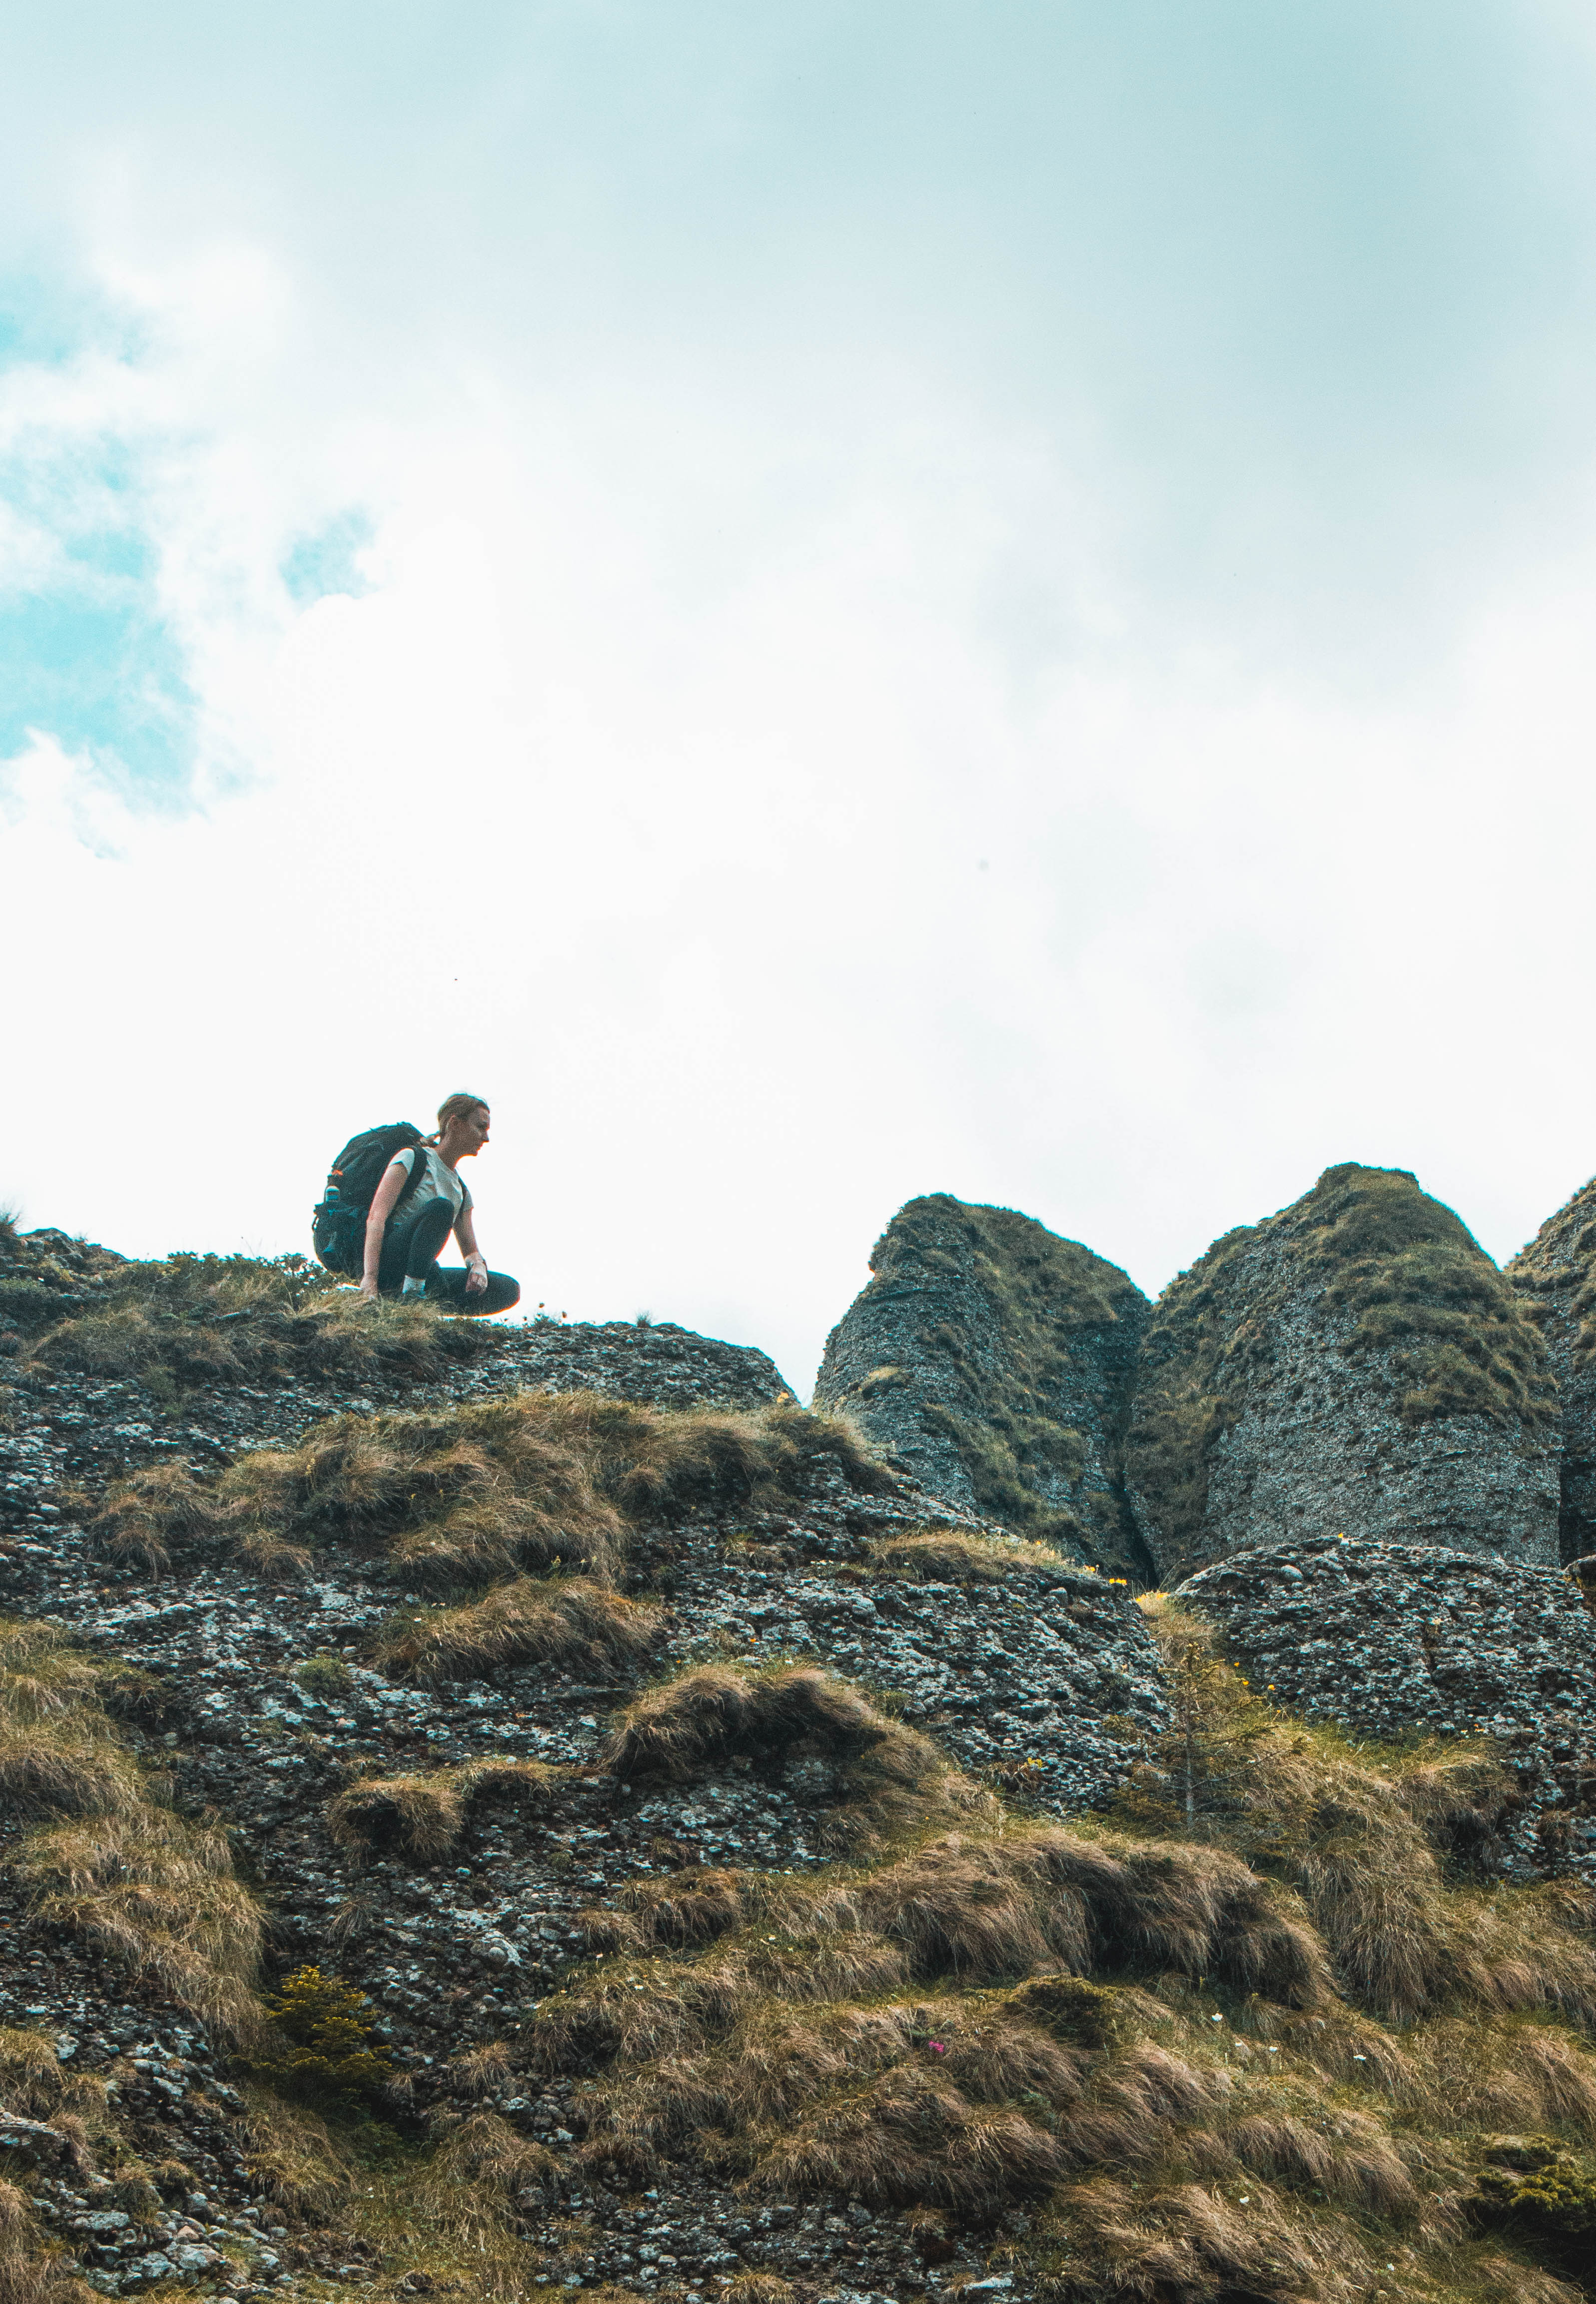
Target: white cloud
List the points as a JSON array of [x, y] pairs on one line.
[[780, 802]]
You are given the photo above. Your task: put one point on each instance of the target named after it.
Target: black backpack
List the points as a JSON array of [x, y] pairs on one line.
[[338, 1220]]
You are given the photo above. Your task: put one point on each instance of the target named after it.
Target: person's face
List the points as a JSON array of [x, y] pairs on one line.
[[473, 1129]]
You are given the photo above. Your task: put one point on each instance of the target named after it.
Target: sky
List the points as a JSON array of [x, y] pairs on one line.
[[820, 603]]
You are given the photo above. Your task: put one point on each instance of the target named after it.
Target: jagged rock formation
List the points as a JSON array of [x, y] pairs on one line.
[[1557, 1275], [1355, 1364], [1393, 1638], [993, 1360]]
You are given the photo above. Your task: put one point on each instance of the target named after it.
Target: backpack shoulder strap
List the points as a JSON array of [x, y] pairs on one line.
[[418, 1169]]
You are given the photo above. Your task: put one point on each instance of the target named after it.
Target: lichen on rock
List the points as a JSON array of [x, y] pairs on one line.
[[991, 1360], [1354, 1364]]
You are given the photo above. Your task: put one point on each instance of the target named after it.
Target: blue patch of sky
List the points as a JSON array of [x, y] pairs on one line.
[[87, 655], [326, 562]]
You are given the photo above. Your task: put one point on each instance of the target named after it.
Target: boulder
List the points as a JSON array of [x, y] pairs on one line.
[[992, 1361], [1355, 1364], [1556, 1276]]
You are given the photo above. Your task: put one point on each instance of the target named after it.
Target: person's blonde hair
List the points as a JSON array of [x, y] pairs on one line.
[[460, 1107]]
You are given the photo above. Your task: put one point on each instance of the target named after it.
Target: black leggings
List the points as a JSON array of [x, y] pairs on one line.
[[411, 1252]]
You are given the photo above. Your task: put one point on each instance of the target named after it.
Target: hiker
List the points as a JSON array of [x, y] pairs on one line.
[[401, 1251]]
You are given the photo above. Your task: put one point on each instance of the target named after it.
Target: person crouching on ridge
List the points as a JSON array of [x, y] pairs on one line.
[[402, 1252]]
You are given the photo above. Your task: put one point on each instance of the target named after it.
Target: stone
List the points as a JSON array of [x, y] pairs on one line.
[[1355, 1364], [992, 1361], [1556, 1276]]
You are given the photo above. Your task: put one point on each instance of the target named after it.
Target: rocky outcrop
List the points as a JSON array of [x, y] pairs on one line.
[[1556, 1276], [651, 1361], [991, 1360], [469, 1826], [1355, 1364], [1391, 1639]]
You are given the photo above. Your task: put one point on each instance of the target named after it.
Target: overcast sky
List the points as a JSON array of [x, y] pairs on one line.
[[821, 602]]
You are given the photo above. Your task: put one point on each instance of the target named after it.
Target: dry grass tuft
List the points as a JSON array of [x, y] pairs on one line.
[[486, 2153], [943, 1556], [424, 1815], [1362, 1842], [109, 1863], [160, 1895], [458, 1497], [29, 2271], [759, 2288], [478, 2071], [573, 1623], [292, 2154], [59, 1754], [142, 1522], [714, 1713]]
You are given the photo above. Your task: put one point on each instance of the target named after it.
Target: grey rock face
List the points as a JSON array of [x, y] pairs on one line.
[[991, 1360], [1388, 1638], [1556, 1276], [1355, 1364]]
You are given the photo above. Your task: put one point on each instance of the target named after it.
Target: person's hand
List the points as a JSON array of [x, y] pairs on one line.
[[368, 1291], [477, 1278]]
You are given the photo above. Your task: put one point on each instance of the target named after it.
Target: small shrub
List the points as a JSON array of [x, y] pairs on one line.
[[317, 2044], [327, 1676], [1534, 2192]]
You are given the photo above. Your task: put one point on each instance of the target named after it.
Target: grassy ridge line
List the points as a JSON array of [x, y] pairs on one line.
[[183, 1323]]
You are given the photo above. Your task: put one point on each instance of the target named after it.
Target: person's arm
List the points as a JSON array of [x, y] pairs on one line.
[[394, 1179], [465, 1232]]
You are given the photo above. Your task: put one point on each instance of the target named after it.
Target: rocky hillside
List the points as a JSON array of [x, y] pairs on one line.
[[1355, 1364], [1556, 1276], [494, 1809], [993, 1361]]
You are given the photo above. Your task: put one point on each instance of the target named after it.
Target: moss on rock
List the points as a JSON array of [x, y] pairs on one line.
[[1356, 1362], [992, 1359]]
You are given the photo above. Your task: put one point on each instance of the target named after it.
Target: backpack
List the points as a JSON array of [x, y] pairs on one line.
[[338, 1220]]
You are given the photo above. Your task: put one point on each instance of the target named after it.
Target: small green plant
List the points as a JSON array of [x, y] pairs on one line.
[[319, 2045], [1542, 2197], [324, 1675]]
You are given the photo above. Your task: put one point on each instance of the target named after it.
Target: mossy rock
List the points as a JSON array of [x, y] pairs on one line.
[[991, 1360], [1355, 1363]]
